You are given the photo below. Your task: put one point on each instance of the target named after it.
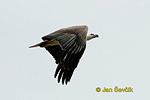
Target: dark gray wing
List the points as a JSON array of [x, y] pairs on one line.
[[67, 55]]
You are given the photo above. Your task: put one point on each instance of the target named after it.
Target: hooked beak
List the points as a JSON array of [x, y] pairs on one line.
[[96, 35]]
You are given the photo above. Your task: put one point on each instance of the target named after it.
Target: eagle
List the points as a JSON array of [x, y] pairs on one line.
[[67, 46]]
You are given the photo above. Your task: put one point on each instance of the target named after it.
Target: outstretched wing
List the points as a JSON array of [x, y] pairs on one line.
[[67, 55]]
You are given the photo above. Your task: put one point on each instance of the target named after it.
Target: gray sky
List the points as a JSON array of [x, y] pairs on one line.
[[120, 57]]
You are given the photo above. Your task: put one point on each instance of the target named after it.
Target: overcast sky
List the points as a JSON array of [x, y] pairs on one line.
[[120, 57]]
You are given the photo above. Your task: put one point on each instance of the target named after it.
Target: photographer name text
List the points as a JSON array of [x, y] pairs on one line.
[[115, 89]]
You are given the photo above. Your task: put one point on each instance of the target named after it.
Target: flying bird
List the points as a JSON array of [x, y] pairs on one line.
[[67, 46]]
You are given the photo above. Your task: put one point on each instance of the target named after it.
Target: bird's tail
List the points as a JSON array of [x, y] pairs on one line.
[[35, 45], [42, 44]]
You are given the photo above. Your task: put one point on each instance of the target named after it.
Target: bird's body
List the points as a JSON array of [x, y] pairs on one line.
[[67, 46]]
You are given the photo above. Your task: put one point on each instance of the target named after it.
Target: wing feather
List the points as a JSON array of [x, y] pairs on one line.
[[68, 53]]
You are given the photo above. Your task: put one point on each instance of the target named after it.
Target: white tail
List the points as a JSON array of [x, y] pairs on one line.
[[35, 45]]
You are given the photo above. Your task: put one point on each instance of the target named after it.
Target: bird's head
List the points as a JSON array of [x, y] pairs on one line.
[[91, 36]]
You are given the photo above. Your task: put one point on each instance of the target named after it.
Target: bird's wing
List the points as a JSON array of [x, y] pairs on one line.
[[68, 53]]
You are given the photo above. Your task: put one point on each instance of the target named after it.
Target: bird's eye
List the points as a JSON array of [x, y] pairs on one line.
[[92, 34]]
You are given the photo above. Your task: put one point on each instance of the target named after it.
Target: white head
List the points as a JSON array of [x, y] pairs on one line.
[[91, 36]]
